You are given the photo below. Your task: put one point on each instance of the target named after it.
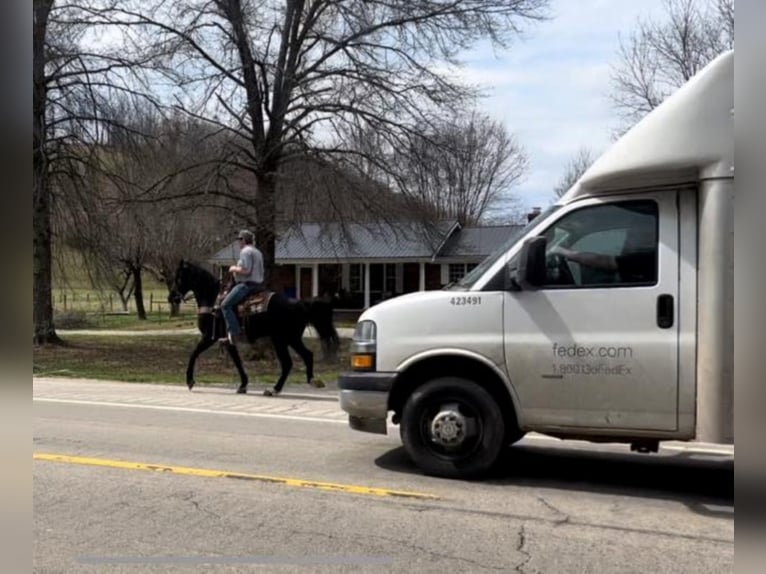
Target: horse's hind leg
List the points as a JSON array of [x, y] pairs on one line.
[[234, 354], [308, 359], [285, 362], [204, 344]]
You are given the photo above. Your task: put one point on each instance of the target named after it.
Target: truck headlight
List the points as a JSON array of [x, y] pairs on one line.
[[364, 346]]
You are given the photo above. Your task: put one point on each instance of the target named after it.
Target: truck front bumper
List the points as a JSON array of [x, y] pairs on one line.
[[364, 396]]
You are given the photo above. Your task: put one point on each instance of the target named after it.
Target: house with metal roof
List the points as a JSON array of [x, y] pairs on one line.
[[364, 263]]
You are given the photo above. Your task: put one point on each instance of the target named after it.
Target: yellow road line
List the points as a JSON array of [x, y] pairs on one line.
[[202, 472]]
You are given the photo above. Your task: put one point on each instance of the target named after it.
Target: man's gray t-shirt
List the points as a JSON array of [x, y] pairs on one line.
[[250, 258]]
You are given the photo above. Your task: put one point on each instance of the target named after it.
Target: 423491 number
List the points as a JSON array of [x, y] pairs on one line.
[[466, 300]]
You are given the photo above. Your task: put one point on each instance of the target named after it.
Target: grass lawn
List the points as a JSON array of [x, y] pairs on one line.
[[130, 322], [163, 359]]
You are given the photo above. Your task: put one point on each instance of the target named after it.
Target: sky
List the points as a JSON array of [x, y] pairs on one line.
[[551, 86]]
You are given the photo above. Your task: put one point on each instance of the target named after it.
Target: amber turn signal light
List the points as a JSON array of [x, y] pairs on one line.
[[361, 362]]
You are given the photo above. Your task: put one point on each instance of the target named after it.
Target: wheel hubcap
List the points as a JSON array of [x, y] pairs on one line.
[[448, 427]]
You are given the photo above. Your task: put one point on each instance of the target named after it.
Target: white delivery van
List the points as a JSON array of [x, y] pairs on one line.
[[609, 318]]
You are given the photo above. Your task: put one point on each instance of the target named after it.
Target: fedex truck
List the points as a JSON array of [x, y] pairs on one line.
[[608, 318]]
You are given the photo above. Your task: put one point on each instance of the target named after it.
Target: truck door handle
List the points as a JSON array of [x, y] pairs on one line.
[[665, 311]]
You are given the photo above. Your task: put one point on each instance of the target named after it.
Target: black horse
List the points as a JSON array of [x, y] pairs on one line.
[[284, 320]]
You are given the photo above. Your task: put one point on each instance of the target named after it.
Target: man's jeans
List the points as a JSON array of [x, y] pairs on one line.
[[238, 293]]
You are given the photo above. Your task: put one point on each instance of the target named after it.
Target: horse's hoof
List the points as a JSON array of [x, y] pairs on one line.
[[317, 383], [270, 393], [190, 384], [242, 390]]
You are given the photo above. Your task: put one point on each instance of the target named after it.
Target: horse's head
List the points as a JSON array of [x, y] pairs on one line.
[[192, 277], [182, 283]]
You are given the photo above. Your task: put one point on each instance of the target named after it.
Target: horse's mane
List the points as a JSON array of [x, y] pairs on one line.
[[209, 285], [200, 270]]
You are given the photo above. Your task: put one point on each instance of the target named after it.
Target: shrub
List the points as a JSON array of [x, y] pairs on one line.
[[71, 320]]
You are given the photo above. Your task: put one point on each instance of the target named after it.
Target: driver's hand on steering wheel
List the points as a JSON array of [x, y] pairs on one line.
[[561, 251]]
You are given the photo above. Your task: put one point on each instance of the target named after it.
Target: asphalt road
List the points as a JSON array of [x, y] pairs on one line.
[[150, 478]]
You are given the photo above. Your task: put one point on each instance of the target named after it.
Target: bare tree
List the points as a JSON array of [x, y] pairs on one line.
[[44, 330], [129, 226], [660, 56], [73, 79], [178, 152], [111, 233], [290, 78], [575, 168], [315, 189], [462, 169], [182, 234]]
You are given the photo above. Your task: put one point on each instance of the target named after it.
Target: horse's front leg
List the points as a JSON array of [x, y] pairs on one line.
[[243, 381], [204, 344]]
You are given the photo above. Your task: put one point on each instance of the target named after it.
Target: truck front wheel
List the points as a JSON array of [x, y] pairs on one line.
[[452, 427]]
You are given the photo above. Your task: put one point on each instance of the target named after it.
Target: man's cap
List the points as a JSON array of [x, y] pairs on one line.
[[246, 235]]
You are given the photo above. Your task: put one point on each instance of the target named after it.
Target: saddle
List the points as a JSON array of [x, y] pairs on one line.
[[252, 304], [257, 303]]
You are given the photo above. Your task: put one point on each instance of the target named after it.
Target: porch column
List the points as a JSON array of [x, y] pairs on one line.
[[366, 285], [315, 280], [422, 282], [298, 282]]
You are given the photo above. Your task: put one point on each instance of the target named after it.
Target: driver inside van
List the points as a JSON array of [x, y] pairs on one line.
[[636, 264]]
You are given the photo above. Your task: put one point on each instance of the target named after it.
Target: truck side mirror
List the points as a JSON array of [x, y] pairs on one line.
[[531, 271]]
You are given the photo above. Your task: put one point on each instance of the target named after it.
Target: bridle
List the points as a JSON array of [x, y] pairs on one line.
[[181, 298], [209, 300]]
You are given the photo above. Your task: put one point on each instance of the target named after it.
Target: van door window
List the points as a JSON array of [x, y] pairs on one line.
[[608, 245]]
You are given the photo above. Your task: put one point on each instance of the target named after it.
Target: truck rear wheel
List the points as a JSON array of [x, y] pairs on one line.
[[453, 428]]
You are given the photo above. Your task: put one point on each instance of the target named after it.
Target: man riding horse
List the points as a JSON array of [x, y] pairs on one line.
[[248, 280], [271, 315]]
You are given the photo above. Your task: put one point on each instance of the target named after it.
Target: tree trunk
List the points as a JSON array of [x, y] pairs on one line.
[[42, 303], [138, 293], [265, 239], [124, 299], [42, 291], [175, 308], [126, 291]]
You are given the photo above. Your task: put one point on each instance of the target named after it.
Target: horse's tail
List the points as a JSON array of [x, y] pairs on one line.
[[320, 316]]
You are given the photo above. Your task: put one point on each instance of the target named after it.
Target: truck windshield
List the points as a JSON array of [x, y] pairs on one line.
[[470, 278]]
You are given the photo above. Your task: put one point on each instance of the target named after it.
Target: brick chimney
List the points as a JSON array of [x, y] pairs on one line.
[[532, 214]]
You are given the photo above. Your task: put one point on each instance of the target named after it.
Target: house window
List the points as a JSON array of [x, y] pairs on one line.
[[458, 270], [382, 278], [355, 280]]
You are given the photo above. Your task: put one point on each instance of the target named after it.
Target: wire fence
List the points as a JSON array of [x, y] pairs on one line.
[[96, 302]]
